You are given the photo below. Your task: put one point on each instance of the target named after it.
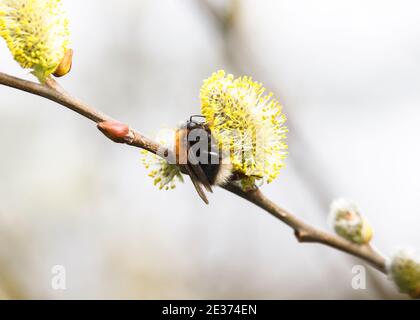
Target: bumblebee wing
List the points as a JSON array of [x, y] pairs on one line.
[[196, 182], [198, 171]]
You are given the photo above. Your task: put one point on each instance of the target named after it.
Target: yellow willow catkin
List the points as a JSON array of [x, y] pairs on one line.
[[36, 32], [248, 124], [165, 175]]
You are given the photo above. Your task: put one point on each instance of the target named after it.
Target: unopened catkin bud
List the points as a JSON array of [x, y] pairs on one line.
[[65, 65], [348, 223], [404, 271], [116, 131]]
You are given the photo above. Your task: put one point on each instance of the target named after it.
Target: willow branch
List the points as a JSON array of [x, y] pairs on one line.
[[304, 232]]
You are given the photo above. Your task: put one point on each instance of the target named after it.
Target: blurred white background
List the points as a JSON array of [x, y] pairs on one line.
[[348, 74]]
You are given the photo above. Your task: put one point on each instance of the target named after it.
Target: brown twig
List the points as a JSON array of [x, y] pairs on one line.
[[304, 232], [51, 90]]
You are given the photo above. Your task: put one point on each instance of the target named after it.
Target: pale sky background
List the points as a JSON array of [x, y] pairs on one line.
[[348, 75]]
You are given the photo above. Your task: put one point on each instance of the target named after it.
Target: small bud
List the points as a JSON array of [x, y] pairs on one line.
[[116, 131], [404, 271], [348, 223], [65, 65]]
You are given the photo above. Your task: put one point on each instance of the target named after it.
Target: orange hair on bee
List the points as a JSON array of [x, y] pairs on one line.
[[181, 146]]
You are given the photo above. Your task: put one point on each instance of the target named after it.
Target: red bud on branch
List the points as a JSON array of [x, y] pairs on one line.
[[116, 131]]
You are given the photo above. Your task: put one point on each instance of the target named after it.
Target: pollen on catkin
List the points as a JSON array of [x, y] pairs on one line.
[[248, 125], [165, 175], [36, 32]]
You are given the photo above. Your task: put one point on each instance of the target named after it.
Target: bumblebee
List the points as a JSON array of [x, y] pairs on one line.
[[198, 155]]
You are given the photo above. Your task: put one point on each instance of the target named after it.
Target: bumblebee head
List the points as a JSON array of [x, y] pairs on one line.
[[193, 122]]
